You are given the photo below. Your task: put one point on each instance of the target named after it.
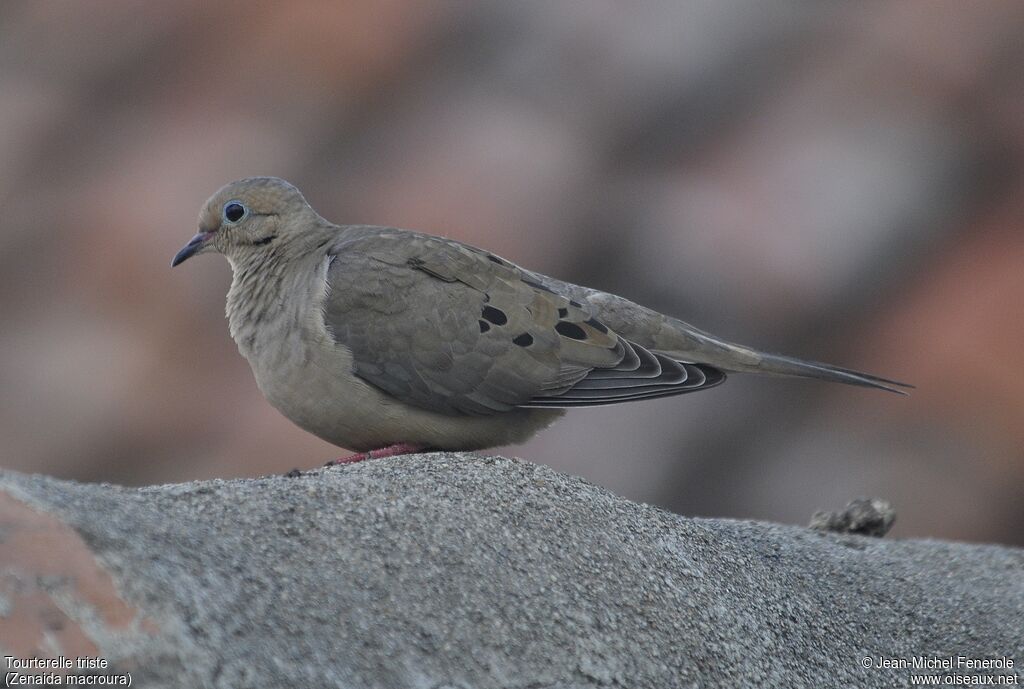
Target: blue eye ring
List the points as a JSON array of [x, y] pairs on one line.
[[234, 211]]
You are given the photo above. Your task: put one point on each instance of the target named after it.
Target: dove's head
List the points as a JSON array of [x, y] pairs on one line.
[[249, 215]]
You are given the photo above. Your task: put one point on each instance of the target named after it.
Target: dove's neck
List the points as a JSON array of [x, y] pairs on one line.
[[271, 300]]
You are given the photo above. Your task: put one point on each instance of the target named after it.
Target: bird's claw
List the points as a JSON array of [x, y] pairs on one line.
[[389, 451]]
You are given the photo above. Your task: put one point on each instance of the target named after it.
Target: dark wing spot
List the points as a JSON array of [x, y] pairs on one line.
[[573, 302], [524, 340], [417, 263], [536, 285], [494, 259], [484, 326], [496, 316], [596, 325], [570, 330], [562, 313], [265, 240]]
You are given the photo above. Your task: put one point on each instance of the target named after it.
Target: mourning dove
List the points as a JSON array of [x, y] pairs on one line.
[[386, 341]]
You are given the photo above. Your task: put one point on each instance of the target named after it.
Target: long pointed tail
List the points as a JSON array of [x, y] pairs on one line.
[[728, 356], [682, 342], [776, 364]]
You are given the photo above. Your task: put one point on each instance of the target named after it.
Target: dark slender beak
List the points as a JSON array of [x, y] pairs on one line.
[[192, 248]]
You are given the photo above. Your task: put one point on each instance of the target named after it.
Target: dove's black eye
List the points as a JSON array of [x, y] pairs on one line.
[[234, 211]]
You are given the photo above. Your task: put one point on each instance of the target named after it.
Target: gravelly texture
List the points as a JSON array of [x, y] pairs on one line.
[[448, 570]]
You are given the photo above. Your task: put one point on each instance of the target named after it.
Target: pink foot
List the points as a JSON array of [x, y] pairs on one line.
[[389, 451]]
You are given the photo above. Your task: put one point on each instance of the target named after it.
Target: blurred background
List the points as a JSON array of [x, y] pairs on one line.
[[836, 181]]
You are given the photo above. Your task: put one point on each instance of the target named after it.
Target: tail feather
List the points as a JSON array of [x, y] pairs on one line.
[[778, 364], [728, 356]]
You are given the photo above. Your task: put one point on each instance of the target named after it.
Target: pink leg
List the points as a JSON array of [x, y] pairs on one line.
[[389, 451]]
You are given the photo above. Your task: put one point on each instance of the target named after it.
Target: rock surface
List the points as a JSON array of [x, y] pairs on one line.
[[449, 570], [864, 516]]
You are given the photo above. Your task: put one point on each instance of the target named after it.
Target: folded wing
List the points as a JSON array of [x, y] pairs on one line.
[[456, 330]]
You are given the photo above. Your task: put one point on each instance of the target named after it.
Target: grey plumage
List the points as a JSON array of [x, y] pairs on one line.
[[370, 336]]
